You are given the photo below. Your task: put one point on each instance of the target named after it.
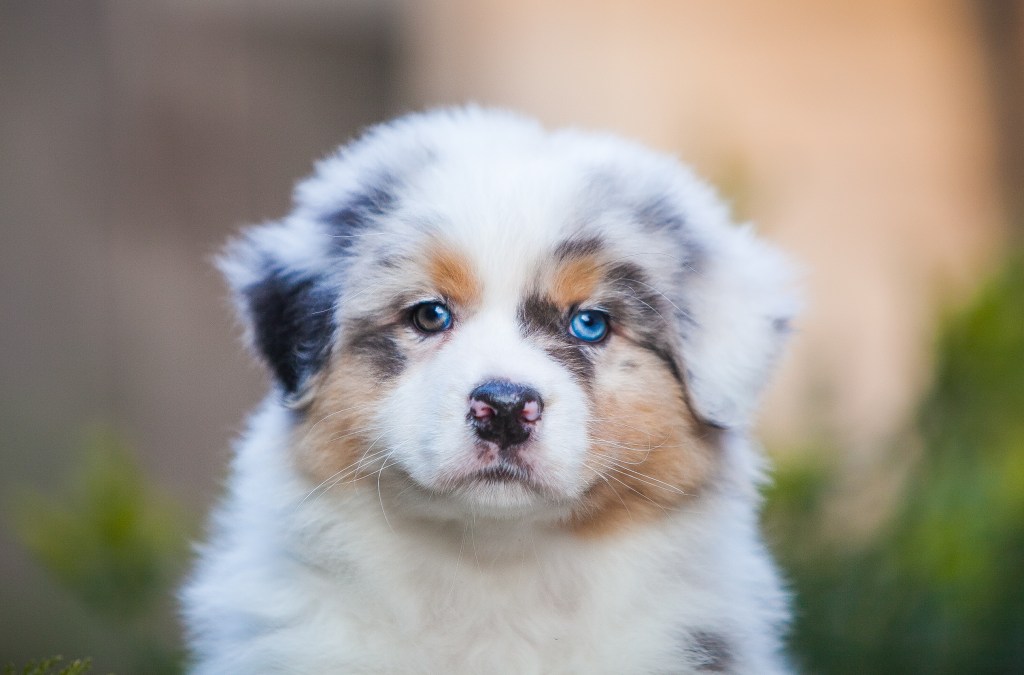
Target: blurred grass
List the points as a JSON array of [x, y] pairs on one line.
[[50, 666], [116, 543], [940, 587]]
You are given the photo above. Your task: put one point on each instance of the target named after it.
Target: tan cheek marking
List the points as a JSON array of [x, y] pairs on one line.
[[332, 441], [575, 281], [451, 273], [650, 453]]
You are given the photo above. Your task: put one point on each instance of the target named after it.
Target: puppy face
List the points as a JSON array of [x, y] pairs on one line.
[[477, 318]]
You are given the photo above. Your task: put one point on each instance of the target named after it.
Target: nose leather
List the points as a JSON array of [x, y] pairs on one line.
[[503, 412]]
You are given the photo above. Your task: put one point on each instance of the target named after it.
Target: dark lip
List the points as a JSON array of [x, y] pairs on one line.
[[504, 473]]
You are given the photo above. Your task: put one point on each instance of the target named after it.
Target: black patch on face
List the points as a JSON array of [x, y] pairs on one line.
[[377, 199], [664, 353], [578, 248], [711, 652], [391, 262], [377, 344], [659, 213], [608, 192], [635, 305], [540, 317], [578, 358], [782, 325], [629, 276], [537, 315], [684, 317], [293, 324], [639, 307], [636, 302], [656, 211]]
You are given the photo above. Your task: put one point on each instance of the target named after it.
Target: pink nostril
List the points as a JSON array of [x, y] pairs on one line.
[[504, 413], [481, 410], [531, 411]]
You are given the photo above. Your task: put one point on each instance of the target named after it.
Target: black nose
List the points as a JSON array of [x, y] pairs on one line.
[[504, 412]]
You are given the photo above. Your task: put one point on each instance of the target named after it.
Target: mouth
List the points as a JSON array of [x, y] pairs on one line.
[[503, 473]]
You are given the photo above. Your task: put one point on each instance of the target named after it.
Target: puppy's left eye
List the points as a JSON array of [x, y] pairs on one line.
[[589, 325], [432, 317]]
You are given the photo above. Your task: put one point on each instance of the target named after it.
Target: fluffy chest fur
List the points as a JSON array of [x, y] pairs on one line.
[[294, 584], [513, 377]]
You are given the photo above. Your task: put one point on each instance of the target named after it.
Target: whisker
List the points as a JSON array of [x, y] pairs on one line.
[[380, 496], [366, 406], [638, 493], [634, 296], [384, 428], [343, 473], [612, 488], [365, 459], [617, 421], [644, 478], [615, 444]]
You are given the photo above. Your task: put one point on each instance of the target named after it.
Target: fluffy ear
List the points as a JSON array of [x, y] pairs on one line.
[[741, 304], [285, 299]]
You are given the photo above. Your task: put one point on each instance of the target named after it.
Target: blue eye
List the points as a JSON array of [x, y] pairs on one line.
[[432, 317], [589, 325]]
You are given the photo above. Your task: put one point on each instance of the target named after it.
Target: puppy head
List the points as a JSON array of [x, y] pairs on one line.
[[479, 318]]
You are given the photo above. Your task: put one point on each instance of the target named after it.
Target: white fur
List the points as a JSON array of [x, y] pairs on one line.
[[405, 578]]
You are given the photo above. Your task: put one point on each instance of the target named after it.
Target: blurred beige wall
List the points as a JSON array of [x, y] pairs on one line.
[[858, 135]]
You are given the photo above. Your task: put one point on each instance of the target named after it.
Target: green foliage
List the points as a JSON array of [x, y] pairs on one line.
[[940, 588], [50, 666], [115, 542]]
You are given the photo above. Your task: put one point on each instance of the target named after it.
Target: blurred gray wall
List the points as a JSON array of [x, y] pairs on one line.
[[134, 137]]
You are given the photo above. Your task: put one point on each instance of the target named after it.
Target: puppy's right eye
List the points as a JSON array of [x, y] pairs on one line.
[[432, 317]]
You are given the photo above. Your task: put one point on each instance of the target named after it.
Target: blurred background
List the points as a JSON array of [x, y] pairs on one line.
[[881, 142]]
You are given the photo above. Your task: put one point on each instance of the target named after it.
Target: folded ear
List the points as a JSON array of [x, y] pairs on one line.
[[740, 307], [285, 299]]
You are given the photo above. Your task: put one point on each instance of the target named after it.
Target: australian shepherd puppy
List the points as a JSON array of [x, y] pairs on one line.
[[514, 376]]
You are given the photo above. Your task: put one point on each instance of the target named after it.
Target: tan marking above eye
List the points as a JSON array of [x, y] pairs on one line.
[[452, 274], [575, 281]]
